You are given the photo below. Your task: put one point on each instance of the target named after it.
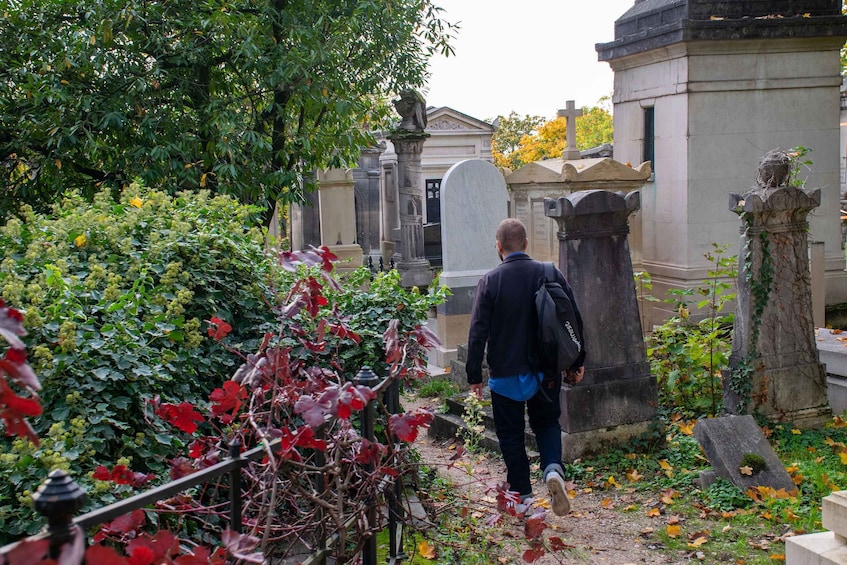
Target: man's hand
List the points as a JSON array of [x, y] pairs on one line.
[[573, 376], [476, 390]]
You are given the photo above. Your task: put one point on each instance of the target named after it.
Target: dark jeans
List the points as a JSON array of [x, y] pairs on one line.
[[509, 421]]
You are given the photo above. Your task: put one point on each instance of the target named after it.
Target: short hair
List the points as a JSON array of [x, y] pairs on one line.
[[511, 233]]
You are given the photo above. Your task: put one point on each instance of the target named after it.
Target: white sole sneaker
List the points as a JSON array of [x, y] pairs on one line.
[[558, 494]]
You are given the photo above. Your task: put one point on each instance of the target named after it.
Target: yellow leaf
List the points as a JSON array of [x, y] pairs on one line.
[[59, 164], [136, 202], [843, 457], [745, 470], [666, 500], [80, 240], [611, 481], [687, 429], [673, 531], [698, 542], [796, 432], [767, 515], [203, 180], [426, 550], [634, 476], [654, 513], [805, 15], [665, 465], [829, 441], [93, 40], [777, 557], [607, 503], [838, 422]]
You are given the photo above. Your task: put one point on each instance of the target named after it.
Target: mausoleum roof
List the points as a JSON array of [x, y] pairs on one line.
[[651, 24], [579, 170]]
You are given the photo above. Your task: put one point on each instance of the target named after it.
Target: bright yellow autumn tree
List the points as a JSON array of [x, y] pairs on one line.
[[593, 128]]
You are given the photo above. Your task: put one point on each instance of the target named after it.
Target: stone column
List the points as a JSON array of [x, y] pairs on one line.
[[617, 398], [774, 367], [338, 216], [413, 267]]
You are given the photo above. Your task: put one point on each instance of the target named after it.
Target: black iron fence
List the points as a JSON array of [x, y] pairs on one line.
[[59, 497]]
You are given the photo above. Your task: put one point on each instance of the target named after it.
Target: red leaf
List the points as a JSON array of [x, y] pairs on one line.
[[162, 544], [142, 556], [533, 554], [180, 467], [11, 326], [19, 404], [557, 545], [405, 426], [201, 556], [313, 412], [102, 555], [239, 544], [369, 452], [342, 331], [183, 416], [218, 329], [227, 399], [534, 526], [14, 364], [28, 552], [101, 473], [327, 256], [127, 523], [306, 439]]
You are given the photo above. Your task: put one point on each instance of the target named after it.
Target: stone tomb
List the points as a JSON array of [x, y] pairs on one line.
[[618, 396], [554, 178], [728, 439], [823, 548], [473, 203]]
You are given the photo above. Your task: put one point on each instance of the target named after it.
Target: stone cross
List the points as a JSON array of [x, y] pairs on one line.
[[571, 113]]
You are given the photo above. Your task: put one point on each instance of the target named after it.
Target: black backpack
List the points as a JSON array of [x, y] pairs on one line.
[[558, 343]]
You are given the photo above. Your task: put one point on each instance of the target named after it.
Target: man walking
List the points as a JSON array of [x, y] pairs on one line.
[[504, 318]]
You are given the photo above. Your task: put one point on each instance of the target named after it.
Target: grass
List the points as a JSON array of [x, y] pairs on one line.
[[718, 524]]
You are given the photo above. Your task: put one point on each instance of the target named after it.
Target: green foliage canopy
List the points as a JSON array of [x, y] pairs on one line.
[[241, 97]]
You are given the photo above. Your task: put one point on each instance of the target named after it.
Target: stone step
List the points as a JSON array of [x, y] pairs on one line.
[[446, 425]]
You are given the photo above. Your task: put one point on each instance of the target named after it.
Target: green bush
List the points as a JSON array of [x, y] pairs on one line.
[[371, 305], [115, 295]]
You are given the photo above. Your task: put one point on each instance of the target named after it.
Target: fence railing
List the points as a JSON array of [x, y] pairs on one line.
[[59, 497]]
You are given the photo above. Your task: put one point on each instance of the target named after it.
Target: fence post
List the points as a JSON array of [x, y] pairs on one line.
[[395, 516], [235, 521], [58, 499], [320, 488], [366, 377]]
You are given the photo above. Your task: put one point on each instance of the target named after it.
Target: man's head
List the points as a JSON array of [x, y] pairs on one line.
[[511, 236]]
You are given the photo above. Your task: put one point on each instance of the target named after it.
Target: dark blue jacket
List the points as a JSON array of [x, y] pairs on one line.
[[503, 316]]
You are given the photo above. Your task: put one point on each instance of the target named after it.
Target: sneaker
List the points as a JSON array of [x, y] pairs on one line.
[[558, 493]]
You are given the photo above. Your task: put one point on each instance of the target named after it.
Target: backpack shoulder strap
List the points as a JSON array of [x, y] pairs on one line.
[[549, 271]]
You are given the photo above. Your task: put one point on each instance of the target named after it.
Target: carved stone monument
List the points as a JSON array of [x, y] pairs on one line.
[[571, 113], [774, 367], [338, 216], [408, 139], [618, 397]]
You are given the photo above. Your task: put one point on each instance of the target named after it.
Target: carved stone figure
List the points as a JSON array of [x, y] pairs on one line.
[[412, 108]]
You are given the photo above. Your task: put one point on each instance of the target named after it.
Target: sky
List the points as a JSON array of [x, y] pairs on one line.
[[527, 56]]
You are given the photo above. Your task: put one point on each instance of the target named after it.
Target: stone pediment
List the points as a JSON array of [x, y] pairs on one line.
[[445, 119], [579, 170]]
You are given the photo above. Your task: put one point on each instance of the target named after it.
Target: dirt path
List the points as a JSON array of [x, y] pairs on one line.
[[595, 531]]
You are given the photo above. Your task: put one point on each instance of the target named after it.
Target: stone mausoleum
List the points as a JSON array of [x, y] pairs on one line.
[[702, 89]]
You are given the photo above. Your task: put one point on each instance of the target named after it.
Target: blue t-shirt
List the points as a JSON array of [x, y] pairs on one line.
[[518, 387]]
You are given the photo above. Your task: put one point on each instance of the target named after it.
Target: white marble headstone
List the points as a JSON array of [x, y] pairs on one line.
[[474, 201]]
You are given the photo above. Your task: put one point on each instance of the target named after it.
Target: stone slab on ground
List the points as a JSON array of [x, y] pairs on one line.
[[727, 439], [823, 548]]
